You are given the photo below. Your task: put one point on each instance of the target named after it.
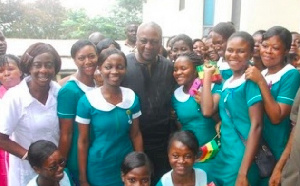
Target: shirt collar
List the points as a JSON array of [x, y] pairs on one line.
[[82, 86], [222, 65], [233, 84], [274, 78], [97, 100]]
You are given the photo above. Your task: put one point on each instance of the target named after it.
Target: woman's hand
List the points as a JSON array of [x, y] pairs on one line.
[[209, 69], [275, 177], [197, 97], [241, 180], [253, 74]]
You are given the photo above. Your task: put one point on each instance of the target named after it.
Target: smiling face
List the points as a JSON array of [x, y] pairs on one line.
[[148, 44], [199, 48], [272, 53], [184, 71], [10, 74], [181, 158], [237, 54], [257, 41], [218, 43], [52, 169], [86, 60], [42, 70], [180, 47], [139, 176], [113, 70]]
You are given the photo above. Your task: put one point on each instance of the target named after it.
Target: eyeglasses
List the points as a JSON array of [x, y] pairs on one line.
[[61, 163]]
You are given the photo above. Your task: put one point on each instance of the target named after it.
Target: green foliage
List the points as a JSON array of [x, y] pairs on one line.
[[32, 20], [48, 19]]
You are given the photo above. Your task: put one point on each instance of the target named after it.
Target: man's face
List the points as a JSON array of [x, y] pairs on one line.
[[148, 44], [3, 44], [131, 33]]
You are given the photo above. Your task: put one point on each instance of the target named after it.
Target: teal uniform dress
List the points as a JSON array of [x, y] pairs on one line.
[[224, 68], [110, 130], [236, 98], [189, 115], [283, 86], [67, 100]]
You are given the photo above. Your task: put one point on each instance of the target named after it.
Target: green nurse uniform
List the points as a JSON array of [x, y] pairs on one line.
[[283, 86], [224, 68], [110, 129], [67, 100], [236, 98], [189, 115]]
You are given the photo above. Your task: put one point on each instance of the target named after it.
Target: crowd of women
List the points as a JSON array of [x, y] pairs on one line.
[[87, 132]]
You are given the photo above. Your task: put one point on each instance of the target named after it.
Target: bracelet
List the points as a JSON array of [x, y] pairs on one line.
[[25, 156]]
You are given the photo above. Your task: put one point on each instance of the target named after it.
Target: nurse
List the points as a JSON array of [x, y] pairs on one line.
[[241, 112], [108, 124], [85, 57], [278, 85]]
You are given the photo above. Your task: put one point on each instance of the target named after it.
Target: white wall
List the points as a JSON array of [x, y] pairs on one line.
[[223, 11], [166, 13], [255, 15], [263, 14]]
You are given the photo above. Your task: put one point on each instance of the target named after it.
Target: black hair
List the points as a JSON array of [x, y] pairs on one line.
[[245, 36], [296, 33], [197, 40], [39, 152], [186, 137], [110, 51], [164, 51], [79, 45], [4, 60], [225, 29], [283, 33], [169, 41], [193, 57], [259, 32], [135, 160], [185, 38], [35, 50], [105, 43]]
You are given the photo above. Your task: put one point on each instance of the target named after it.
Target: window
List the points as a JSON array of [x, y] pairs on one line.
[[208, 15]]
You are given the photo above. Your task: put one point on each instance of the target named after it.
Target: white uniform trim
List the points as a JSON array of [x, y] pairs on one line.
[[233, 84], [97, 100], [274, 78]]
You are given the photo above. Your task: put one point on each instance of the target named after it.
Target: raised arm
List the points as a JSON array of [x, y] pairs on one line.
[[276, 111], [83, 145], [209, 101]]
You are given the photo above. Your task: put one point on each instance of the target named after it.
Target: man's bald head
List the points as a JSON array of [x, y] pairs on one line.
[[96, 37]]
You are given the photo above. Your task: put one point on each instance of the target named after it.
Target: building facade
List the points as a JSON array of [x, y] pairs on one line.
[[196, 17]]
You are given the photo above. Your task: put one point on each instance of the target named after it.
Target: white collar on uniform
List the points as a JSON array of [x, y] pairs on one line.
[[222, 65], [233, 84], [181, 96], [26, 97], [97, 100], [82, 86], [274, 78]]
